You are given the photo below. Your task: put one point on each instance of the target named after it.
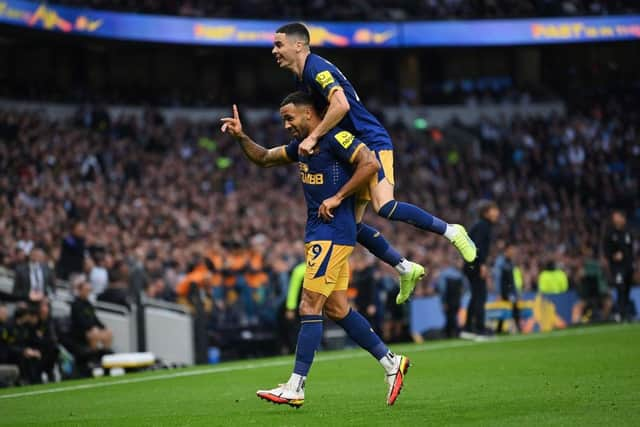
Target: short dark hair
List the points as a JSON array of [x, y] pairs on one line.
[[297, 98], [297, 29], [484, 206]]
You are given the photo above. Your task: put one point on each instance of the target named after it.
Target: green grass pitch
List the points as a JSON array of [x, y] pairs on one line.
[[588, 376]]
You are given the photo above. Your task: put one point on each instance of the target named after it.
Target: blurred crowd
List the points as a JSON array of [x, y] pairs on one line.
[[365, 9], [137, 204]]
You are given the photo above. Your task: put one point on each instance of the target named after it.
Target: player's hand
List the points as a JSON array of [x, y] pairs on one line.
[[290, 314], [326, 208], [232, 125], [308, 146]]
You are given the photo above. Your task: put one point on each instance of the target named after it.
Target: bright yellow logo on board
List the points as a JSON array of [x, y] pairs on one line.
[[324, 78], [345, 138]]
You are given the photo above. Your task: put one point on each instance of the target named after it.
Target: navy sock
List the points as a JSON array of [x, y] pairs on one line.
[[411, 214], [375, 242], [308, 342], [360, 331]]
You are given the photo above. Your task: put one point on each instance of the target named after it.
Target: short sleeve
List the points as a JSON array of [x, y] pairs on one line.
[[323, 78], [291, 150], [345, 145]]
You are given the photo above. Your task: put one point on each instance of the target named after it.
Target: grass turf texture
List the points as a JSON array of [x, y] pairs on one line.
[[587, 376]]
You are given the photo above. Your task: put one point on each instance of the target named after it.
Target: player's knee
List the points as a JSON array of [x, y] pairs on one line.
[[336, 313], [310, 305], [385, 209]]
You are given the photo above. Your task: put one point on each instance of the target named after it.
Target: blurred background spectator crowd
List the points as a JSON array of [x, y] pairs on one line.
[[116, 204], [171, 209]]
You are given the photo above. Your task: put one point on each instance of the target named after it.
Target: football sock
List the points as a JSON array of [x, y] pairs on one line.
[[308, 342], [296, 381], [360, 331], [404, 267], [406, 212], [450, 232], [375, 242], [388, 362]]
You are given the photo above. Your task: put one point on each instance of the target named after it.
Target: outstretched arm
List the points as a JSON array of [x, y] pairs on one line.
[[259, 155], [366, 167]]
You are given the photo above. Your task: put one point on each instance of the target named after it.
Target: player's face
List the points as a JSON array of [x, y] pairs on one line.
[[493, 215], [619, 221], [295, 120], [284, 50]]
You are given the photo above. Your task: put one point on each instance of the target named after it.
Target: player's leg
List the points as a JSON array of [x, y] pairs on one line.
[[292, 392], [360, 331], [375, 242], [324, 260], [473, 276], [386, 206]]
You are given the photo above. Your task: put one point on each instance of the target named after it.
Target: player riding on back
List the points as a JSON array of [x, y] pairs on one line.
[[341, 106]]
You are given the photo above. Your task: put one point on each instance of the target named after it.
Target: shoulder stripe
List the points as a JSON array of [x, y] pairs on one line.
[[355, 152], [284, 153], [332, 91]]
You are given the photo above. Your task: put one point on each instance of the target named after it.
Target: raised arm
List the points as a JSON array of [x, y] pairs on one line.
[[257, 154]]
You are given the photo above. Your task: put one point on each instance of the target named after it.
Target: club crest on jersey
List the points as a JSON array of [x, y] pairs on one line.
[[345, 138], [324, 78]]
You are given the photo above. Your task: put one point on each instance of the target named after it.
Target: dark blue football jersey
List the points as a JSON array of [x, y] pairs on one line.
[[320, 78], [322, 175]]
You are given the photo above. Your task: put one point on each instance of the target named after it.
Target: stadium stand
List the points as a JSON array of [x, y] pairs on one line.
[[364, 9], [172, 197], [186, 256]]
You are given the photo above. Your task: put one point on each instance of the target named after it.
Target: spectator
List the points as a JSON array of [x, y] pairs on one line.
[[33, 281], [72, 255], [23, 344], [9, 372], [592, 290], [618, 247], [504, 279], [99, 273], [364, 282], [477, 272], [86, 327], [553, 280], [47, 339], [451, 283], [256, 277], [116, 291], [288, 322], [164, 207]]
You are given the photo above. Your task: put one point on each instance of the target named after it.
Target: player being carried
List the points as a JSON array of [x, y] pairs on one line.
[[335, 97], [330, 178]]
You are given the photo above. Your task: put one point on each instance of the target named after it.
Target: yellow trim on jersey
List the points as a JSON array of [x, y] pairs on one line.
[[386, 161], [395, 205], [324, 78], [345, 138], [284, 151], [332, 91], [355, 152], [336, 274]]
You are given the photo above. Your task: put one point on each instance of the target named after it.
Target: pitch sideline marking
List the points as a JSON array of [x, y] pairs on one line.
[[322, 358]]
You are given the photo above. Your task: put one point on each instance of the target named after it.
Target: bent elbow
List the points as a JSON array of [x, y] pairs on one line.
[[374, 166], [345, 106]]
